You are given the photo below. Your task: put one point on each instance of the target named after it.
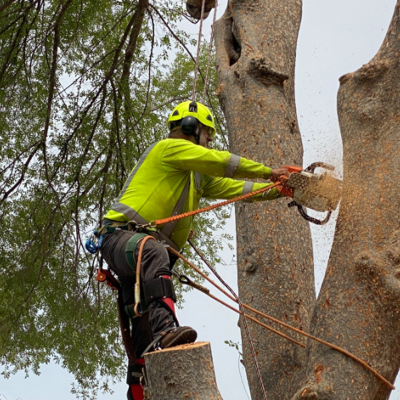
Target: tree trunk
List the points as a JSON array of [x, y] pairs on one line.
[[182, 373], [359, 304], [256, 47]]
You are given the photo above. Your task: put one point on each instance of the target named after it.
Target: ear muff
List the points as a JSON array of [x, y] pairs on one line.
[[189, 125]]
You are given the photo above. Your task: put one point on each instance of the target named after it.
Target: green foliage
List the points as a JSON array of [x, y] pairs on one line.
[[85, 87], [235, 345]]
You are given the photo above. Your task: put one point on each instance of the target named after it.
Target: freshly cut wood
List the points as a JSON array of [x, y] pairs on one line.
[[182, 372]]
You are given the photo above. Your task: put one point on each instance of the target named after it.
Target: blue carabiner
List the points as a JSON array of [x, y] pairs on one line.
[[91, 246]]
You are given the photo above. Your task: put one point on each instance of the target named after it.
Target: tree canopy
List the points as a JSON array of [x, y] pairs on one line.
[[85, 87]]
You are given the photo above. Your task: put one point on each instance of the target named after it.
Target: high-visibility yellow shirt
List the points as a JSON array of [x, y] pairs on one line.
[[173, 175]]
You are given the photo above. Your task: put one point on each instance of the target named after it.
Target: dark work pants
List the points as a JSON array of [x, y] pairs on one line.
[[155, 262]]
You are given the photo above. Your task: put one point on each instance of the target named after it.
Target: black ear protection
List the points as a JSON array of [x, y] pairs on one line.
[[189, 125]]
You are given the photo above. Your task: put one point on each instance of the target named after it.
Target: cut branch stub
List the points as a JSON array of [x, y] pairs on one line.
[[193, 7], [266, 74], [182, 373]]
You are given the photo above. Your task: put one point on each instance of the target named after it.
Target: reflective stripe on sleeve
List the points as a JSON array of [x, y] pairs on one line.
[[248, 188], [232, 166]]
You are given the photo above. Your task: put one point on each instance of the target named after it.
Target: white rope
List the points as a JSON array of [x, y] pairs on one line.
[[196, 69], [209, 52]]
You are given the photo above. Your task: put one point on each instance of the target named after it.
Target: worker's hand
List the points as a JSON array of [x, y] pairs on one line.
[[276, 173]]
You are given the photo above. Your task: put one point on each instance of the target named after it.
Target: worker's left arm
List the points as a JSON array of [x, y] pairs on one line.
[[185, 155], [226, 188]]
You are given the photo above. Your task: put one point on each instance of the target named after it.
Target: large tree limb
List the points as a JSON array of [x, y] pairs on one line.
[[256, 47], [359, 304]]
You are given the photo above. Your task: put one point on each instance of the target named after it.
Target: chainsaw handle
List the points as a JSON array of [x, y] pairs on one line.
[[307, 217], [311, 167], [292, 168]]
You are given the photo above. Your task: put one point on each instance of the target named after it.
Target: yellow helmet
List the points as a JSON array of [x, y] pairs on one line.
[[191, 109]]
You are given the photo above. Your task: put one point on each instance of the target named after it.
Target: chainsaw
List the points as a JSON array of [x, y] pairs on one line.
[[319, 192]]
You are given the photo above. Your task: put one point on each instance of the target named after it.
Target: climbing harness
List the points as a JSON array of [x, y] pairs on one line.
[[283, 324]]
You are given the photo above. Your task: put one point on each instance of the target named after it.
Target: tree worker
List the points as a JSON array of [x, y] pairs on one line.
[[170, 178]]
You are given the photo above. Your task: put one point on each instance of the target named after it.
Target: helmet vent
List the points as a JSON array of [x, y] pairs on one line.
[[193, 107], [176, 112], [209, 117]]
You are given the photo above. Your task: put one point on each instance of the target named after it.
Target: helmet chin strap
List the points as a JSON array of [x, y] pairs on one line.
[[198, 132]]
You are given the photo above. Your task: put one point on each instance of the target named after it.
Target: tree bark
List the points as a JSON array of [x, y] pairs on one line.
[[359, 304], [182, 373], [256, 48]]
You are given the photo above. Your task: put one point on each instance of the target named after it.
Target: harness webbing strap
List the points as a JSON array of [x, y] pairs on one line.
[[125, 331], [131, 247], [138, 219]]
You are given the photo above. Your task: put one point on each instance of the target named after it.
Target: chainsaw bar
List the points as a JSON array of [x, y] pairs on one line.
[[320, 192]]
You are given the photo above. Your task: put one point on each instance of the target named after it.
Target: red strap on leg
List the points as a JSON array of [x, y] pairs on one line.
[[137, 390], [169, 302]]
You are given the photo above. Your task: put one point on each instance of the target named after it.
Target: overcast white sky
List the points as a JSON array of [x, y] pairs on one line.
[[336, 37]]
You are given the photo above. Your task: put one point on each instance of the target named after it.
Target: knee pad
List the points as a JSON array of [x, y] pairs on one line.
[[155, 290], [159, 288]]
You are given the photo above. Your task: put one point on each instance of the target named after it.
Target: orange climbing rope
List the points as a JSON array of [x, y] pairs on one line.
[[137, 284], [332, 346], [209, 208]]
